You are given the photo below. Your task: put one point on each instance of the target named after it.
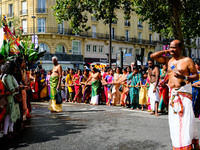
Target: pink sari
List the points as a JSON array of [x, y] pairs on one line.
[[105, 88], [78, 94], [148, 103]]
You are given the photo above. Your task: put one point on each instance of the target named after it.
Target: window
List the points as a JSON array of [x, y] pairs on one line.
[[24, 26], [60, 48], [198, 41], [61, 28], [41, 24], [159, 48], [126, 51], [0, 12], [140, 37], [113, 33], [24, 8], [76, 47], [41, 6], [127, 35], [137, 51], [150, 38], [43, 47], [100, 49], [140, 25], [112, 50], [127, 23], [94, 49], [94, 30], [130, 51], [10, 10], [88, 48], [150, 27]]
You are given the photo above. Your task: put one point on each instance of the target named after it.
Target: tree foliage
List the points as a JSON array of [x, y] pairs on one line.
[[172, 18], [76, 11]]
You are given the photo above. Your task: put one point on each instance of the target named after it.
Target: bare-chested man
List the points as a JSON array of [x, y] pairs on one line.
[[55, 84], [153, 93], [181, 72], [95, 81]]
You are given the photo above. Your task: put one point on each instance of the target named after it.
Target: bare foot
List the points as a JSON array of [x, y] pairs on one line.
[[138, 109], [142, 109], [131, 108], [151, 113], [156, 114]]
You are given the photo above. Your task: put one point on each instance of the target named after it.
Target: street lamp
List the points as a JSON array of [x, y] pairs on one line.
[[34, 29]]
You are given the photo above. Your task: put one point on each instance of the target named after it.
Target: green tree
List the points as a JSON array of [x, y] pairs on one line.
[[76, 12], [172, 18]]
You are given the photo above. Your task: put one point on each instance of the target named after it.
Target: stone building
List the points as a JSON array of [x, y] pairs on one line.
[[132, 37]]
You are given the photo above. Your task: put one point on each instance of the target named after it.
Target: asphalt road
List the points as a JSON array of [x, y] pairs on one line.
[[85, 127]]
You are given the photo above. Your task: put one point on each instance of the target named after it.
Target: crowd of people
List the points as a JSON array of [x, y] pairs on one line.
[[153, 88]]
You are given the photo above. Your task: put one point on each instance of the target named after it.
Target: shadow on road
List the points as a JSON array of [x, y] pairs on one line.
[[43, 128]]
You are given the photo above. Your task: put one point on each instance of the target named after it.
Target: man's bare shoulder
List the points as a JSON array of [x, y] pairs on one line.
[[187, 59]]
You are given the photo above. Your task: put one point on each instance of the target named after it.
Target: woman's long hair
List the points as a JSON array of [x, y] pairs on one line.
[[8, 68]]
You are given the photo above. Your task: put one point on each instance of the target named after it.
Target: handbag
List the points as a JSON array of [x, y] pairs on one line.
[[3, 102], [58, 97], [120, 88]]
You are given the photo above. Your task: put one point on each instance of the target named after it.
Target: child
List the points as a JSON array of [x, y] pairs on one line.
[[143, 97]]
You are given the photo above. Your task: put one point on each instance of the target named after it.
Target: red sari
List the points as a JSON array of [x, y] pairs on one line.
[[2, 91], [78, 93]]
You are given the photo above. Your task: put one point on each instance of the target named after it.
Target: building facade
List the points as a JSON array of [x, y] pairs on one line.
[[74, 50]]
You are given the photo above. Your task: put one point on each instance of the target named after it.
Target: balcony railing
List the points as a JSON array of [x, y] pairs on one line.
[[103, 36], [140, 26], [127, 24], [41, 10], [114, 22], [24, 12], [10, 15]]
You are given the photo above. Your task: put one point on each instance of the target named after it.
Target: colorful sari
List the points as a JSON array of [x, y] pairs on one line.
[[2, 91], [95, 92], [143, 96], [109, 79], [44, 92], [86, 90], [148, 103], [105, 88], [125, 90], [70, 88], [52, 103], [48, 83], [115, 90], [78, 94]]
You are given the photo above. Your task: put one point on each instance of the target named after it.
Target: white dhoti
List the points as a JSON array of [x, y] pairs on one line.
[[154, 97], [183, 130], [95, 100]]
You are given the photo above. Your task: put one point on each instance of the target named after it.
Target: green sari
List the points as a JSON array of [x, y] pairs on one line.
[[95, 92], [52, 103]]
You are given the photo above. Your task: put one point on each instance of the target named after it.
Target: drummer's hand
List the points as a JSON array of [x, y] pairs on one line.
[[8, 93]]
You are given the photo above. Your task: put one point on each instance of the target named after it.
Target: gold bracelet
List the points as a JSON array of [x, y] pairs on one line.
[[165, 52]]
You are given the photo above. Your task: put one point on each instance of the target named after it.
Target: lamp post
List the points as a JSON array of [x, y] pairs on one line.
[[34, 29]]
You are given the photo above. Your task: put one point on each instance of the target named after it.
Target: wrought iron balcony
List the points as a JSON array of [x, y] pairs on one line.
[[10, 15], [95, 35], [41, 10], [24, 12]]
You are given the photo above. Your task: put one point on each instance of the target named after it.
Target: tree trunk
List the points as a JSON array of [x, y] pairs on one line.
[[174, 8]]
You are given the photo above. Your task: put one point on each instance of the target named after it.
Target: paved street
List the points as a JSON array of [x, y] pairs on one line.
[[85, 127]]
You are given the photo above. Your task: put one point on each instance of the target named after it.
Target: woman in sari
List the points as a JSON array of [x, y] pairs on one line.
[[48, 82], [63, 86], [70, 84], [35, 87], [77, 87], [143, 96], [12, 110], [105, 86], [109, 79], [125, 88], [164, 91], [86, 91], [95, 81], [44, 92], [115, 89]]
